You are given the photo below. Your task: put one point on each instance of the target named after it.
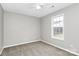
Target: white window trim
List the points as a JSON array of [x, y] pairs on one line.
[[52, 36]]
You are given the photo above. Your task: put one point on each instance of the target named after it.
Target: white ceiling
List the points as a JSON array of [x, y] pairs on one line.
[[28, 8]]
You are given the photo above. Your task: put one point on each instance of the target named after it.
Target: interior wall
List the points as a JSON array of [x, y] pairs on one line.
[[71, 28], [20, 29], [1, 27]]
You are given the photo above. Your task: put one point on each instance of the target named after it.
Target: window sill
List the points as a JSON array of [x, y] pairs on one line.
[[57, 38]]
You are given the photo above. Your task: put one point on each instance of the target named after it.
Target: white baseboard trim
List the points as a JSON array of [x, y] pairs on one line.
[[42, 41], [21, 43], [60, 47], [1, 50], [18, 44]]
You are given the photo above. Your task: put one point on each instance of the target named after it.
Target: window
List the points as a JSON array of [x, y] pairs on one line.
[[57, 27]]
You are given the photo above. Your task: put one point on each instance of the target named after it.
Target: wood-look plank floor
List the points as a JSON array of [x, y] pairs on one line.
[[34, 49]]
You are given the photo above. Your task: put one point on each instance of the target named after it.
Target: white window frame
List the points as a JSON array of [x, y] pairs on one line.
[[52, 35]]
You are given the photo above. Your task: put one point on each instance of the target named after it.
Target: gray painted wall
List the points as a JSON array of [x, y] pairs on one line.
[[20, 29], [1, 27], [71, 28]]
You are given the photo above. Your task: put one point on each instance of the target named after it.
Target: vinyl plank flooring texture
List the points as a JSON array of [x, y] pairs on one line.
[[34, 49]]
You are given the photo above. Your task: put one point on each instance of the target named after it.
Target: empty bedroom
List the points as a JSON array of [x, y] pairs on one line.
[[39, 29]]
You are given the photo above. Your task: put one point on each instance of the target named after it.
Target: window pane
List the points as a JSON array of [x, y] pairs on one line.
[[61, 18], [57, 26]]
